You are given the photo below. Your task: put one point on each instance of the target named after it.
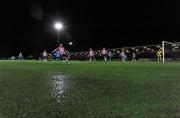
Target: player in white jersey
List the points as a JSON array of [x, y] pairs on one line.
[[44, 55], [91, 55], [104, 54], [63, 52]]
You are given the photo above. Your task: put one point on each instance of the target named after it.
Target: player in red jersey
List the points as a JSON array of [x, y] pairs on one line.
[[63, 52], [104, 54]]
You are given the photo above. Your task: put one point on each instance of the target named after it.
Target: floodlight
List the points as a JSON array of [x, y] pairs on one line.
[[58, 26]]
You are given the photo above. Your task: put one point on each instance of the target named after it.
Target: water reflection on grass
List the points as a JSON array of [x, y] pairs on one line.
[[61, 86]]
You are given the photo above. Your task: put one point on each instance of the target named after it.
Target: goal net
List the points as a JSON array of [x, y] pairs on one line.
[[170, 51]]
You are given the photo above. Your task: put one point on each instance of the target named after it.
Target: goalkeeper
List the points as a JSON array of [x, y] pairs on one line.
[[159, 55]]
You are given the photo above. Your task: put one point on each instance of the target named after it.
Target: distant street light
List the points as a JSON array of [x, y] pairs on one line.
[[58, 26]]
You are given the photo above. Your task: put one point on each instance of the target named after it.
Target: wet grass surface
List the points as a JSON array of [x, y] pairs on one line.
[[81, 90]]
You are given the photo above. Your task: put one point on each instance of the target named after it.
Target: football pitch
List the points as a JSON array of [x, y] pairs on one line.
[[34, 89]]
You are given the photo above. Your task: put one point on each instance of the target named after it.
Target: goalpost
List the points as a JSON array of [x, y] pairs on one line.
[[163, 51], [172, 44]]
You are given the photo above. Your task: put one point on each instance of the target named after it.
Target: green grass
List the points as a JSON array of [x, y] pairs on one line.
[[31, 89]]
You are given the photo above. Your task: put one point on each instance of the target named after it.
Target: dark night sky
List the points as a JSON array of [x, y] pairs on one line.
[[27, 25]]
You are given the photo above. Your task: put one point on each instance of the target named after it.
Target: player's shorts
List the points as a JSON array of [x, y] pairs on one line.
[[92, 56], [44, 57], [65, 56], [104, 55], [133, 57]]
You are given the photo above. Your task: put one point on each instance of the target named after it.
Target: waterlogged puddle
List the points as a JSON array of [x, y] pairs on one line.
[[58, 84], [61, 86], [66, 88], [82, 97]]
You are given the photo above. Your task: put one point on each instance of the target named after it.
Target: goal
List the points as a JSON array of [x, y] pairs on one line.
[[170, 51]]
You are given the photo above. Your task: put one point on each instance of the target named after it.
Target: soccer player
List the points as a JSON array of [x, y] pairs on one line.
[[123, 56], [110, 56], [91, 55], [159, 55], [133, 56], [104, 54], [44, 55], [57, 55], [20, 56], [50, 57], [63, 52]]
